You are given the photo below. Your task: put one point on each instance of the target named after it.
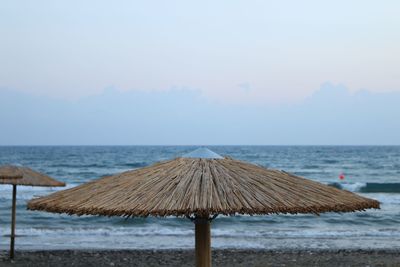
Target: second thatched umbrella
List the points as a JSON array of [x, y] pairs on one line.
[[10, 172], [15, 175], [201, 185]]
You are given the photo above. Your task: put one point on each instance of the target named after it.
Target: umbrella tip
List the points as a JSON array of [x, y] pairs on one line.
[[202, 153]]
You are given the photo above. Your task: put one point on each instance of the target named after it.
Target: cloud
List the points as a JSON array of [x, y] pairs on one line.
[[332, 115], [245, 86]]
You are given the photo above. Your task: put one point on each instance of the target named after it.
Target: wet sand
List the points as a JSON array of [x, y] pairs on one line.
[[224, 257]]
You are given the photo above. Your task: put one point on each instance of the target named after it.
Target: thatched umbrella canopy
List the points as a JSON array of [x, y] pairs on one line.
[[15, 175], [10, 172], [201, 185]]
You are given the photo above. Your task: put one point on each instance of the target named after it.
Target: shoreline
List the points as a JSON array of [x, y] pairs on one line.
[[220, 257]]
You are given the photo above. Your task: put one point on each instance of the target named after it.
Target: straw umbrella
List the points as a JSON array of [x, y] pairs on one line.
[[10, 172], [199, 186], [14, 175]]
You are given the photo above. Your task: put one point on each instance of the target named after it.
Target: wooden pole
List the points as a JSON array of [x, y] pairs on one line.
[[203, 242], [14, 204]]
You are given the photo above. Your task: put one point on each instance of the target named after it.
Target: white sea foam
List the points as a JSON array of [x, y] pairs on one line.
[[149, 238], [353, 187], [150, 231]]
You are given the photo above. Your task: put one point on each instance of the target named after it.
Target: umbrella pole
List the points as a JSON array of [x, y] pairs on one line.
[[14, 204], [203, 242]]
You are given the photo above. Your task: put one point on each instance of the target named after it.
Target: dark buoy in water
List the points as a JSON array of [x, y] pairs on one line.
[[341, 176]]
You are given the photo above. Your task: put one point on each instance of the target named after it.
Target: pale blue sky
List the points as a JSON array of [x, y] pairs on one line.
[[331, 116], [254, 56]]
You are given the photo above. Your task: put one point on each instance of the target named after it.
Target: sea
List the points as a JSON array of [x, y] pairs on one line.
[[371, 171]]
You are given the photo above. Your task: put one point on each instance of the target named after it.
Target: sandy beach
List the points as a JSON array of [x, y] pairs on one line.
[[220, 258]]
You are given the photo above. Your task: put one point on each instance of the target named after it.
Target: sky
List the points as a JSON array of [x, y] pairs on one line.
[[212, 72]]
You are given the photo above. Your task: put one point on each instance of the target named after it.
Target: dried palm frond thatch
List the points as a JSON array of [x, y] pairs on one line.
[[187, 186], [10, 172], [31, 177]]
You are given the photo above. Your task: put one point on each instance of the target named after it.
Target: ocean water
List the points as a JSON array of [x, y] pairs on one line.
[[372, 171]]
